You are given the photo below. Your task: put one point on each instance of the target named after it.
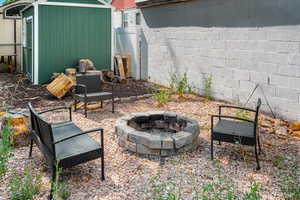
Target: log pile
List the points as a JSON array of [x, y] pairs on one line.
[[279, 127], [20, 127], [60, 86]]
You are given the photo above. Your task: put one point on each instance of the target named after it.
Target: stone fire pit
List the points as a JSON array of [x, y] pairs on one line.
[[157, 133]]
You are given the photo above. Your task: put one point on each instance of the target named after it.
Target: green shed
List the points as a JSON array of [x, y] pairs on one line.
[[57, 33]]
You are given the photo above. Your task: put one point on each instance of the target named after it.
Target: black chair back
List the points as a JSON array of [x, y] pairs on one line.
[[42, 131], [92, 82], [257, 110]]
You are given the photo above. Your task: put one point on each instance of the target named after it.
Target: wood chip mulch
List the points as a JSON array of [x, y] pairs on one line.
[[129, 176]]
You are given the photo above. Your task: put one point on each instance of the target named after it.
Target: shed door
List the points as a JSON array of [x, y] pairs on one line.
[[28, 56]]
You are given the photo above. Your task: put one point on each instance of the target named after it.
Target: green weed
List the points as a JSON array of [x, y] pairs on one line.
[[254, 193], [60, 190], [6, 146], [162, 97], [24, 188], [207, 87]]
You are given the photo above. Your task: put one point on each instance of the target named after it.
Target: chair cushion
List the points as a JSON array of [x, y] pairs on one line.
[[64, 130], [95, 96], [77, 150], [234, 128]]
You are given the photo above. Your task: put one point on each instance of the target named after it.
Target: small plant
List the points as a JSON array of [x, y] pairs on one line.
[[163, 191], [244, 114], [180, 85], [254, 193], [278, 161], [207, 87], [59, 190], [162, 97], [6, 145], [290, 182], [25, 188]]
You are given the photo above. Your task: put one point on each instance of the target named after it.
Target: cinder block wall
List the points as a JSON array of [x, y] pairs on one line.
[[240, 43]]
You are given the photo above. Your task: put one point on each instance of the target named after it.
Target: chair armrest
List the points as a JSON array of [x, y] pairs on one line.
[[230, 117], [235, 107], [59, 108], [81, 86], [82, 133]]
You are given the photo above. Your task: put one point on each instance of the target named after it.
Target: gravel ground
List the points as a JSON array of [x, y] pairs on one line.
[[131, 177]]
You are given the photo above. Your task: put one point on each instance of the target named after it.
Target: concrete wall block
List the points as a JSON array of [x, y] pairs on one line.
[[218, 62], [294, 59], [233, 63], [295, 83], [278, 80], [247, 85], [267, 46], [287, 93], [257, 35], [243, 75], [288, 47], [259, 77], [277, 58], [289, 70], [266, 67]]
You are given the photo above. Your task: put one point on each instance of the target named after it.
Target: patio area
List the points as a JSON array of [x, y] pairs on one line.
[[185, 176]]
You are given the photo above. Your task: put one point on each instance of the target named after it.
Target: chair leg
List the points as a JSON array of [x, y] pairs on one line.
[[258, 141], [212, 148], [219, 142], [101, 104], [85, 109], [30, 148], [256, 155], [102, 167], [75, 105], [53, 182], [113, 104]]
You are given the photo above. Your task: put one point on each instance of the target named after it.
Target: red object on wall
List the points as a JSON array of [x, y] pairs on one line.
[[123, 4]]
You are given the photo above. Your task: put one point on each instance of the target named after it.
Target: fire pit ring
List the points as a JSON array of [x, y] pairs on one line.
[[157, 133]]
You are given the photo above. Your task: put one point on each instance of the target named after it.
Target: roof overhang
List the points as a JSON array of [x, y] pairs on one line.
[[151, 3]]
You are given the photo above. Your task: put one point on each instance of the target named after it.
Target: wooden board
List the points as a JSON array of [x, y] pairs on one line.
[[127, 66], [121, 67], [60, 86]]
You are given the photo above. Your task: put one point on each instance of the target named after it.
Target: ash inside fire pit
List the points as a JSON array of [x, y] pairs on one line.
[[157, 133], [158, 123]]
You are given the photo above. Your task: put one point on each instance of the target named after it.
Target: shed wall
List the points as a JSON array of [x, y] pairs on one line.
[[67, 34], [240, 43]]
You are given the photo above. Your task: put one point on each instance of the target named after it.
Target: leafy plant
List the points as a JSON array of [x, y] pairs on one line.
[[180, 85], [6, 145], [207, 87], [220, 189], [163, 191], [254, 193], [278, 161], [290, 182], [60, 190], [25, 188], [162, 97]]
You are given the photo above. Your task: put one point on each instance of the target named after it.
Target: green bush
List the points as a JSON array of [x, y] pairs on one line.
[[163, 191], [60, 190], [24, 188], [290, 182], [180, 85], [207, 87], [6, 145], [162, 97], [254, 193]]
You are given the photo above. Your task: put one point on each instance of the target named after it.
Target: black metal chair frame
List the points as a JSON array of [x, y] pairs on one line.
[[94, 86], [235, 137], [42, 134]]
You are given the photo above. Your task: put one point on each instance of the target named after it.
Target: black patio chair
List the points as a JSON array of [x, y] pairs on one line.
[[63, 144], [234, 129], [89, 88]]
